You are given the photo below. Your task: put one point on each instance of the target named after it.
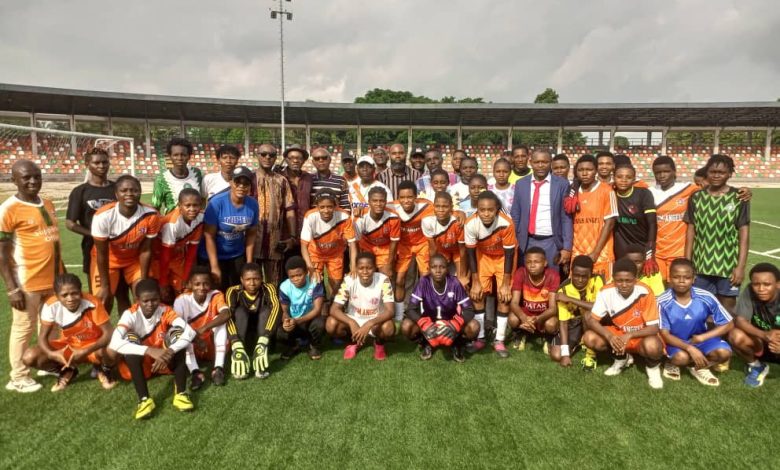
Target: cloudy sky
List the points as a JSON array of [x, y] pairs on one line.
[[502, 50]]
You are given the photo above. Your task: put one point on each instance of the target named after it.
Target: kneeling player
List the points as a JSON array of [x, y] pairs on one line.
[[440, 312], [84, 333], [757, 335], [151, 339], [301, 298], [254, 306], [369, 300], [206, 311], [532, 308], [574, 300], [631, 307], [490, 246], [684, 311]]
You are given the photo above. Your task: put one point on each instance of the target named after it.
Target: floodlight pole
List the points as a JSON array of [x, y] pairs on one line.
[[282, 14]]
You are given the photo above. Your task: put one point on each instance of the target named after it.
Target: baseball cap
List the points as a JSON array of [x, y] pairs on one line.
[[240, 171], [417, 151], [366, 159]]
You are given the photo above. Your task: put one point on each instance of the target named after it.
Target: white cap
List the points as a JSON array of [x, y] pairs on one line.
[[366, 159]]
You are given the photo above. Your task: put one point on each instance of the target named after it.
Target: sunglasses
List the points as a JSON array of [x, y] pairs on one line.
[[268, 154]]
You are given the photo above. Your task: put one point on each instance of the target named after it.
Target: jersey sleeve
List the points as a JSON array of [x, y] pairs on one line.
[[744, 215], [720, 316], [517, 280], [167, 233], [600, 307], [306, 234], [7, 223], [47, 314], [648, 203], [688, 218], [284, 299], [74, 204], [469, 236], [99, 313], [159, 192], [508, 238], [395, 229], [218, 302], [318, 291], [342, 296], [427, 227], [610, 206], [663, 311], [417, 295], [179, 306], [650, 309], [744, 306], [387, 291], [210, 216], [100, 227], [153, 225], [349, 231]]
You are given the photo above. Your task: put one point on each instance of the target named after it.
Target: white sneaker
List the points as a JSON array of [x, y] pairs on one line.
[[617, 367], [25, 385], [654, 377]]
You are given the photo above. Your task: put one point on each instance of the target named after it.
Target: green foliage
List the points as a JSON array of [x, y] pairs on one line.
[[549, 96], [621, 141]]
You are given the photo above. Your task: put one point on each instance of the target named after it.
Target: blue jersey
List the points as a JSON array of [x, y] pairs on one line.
[[231, 222], [686, 321], [466, 207], [300, 300], [440, 305]]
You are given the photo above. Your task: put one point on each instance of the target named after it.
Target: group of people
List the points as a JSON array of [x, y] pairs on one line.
[[238, 261]]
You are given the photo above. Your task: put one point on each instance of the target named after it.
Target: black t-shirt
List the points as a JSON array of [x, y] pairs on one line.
[[84, 201], [632, 226]]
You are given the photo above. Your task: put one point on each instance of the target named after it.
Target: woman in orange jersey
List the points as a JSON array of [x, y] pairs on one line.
[[444, 232], [84, 333], [326, 231], [490, 246], [595, 217], [379, 230]]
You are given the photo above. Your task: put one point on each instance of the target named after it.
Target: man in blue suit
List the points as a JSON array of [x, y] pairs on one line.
[[537, 211]]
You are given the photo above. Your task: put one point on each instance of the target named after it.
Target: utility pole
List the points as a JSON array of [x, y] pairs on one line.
[[282, 14]]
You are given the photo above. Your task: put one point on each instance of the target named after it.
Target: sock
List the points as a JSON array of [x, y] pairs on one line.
[[192, 362], [501, 321], [621, 358], [755, 363], [589, 352], [479, 315], [220, 345], [399, 311]]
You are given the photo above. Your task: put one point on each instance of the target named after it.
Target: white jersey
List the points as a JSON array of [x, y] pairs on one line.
[[459, 192], [365, 302], [506, 196], [190, 310], [213, 184], [314, 228], [176, 229]]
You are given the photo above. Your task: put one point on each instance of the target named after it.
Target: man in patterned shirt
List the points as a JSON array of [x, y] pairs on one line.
[[277, 231], [169, 183], [325, 178], [718, 233]]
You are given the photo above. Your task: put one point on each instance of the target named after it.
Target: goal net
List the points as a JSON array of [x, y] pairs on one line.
[[60, 154]]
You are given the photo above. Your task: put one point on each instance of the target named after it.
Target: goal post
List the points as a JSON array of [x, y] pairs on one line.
[[60, 152]]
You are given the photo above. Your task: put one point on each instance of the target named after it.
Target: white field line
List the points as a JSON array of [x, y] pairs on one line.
[[758, 253], [769, 253], [764, 223]]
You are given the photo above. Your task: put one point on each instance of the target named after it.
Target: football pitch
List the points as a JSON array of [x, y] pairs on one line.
[[524, 411]]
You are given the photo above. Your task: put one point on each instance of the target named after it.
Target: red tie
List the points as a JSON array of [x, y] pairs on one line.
[[534, 206]]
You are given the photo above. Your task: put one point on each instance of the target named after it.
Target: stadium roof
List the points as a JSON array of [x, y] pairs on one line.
[[44, 100]]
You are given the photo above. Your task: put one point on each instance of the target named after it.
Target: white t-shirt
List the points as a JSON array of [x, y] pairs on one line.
[[214, 183], [365, 302], [506, 196]]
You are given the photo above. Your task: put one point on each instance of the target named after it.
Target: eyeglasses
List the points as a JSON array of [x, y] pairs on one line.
[[268, 154], [320, 159]]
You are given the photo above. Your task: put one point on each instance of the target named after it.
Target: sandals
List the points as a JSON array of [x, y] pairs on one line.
[[704, 376], [671, 371]]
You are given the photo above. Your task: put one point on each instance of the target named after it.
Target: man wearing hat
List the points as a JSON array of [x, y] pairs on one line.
[[277, 228], [300, 181], [398, 171], [358, 190], [417, 160], [349, 167], [229, 229]]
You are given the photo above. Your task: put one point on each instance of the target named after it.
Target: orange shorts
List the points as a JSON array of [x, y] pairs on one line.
[[334, 265], [488, 269], [663, 267], [175, 274], [131, 274], [604, 268], [382, 254], [61, 343], [124, 371], [420, 253], [633, 344]]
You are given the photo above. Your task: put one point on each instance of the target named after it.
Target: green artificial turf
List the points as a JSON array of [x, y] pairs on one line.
[[404, 413]]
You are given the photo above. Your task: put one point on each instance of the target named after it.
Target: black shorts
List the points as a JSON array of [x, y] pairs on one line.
[[575, 330], [768, 356]]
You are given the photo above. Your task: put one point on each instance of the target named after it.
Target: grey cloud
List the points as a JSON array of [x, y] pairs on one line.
[[503, 50]]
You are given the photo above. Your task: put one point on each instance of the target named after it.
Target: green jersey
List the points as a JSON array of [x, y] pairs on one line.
[[165, 194], [717, 220]]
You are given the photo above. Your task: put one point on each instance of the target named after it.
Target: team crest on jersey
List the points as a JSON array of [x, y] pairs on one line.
[[374, 301], [637, 314], [142, 230], [730, 207], [544, 293], [450, 295], [632, 209], [680, 202]]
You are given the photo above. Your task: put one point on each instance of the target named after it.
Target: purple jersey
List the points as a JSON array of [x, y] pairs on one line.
[[440, 305]]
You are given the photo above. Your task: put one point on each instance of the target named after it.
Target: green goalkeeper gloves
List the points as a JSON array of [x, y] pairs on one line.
[[261, 354], [239, 360]]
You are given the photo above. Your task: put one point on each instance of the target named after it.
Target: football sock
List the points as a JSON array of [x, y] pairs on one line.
[[220, 345], [135, 364], [399, 311], [179, 366], [479, 315], [501, 321], [190, 360], [755, 363]]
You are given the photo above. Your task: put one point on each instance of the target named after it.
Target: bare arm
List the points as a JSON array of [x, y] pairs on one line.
[[744, 242], [145, 257], [690, 234], [315, 311], [75, 227], [101, 259], [15, 294], [222, 317], [606, 232], [251, 235]]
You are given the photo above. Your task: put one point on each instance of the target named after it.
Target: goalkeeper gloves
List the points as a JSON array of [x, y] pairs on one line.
[[261, 354], [239, 360], [428, 329], [571, 204], [650, 267]]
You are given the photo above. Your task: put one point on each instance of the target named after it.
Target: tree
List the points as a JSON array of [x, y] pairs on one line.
[[549, 96]]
